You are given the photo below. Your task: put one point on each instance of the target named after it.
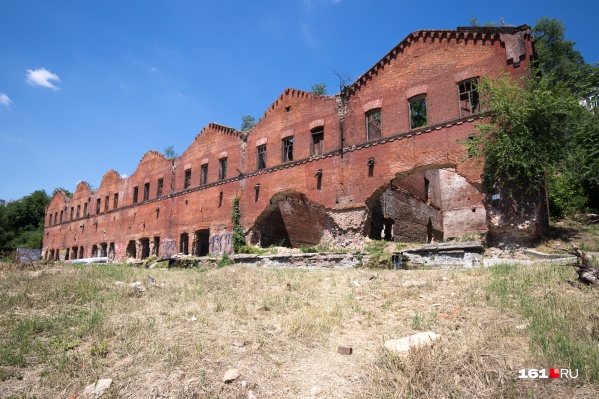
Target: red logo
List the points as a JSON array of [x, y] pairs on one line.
[[554, 373]]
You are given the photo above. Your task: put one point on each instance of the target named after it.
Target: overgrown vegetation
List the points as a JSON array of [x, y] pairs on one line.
[[22, 222], [377, 257], [238, 233], [554, 312], [536, 132], [62, 327]]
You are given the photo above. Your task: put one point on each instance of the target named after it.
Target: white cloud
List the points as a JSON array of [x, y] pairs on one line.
[[123, 176], [4, 100], [41, 77]]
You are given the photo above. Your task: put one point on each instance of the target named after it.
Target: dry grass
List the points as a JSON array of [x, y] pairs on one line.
[[62, 327]]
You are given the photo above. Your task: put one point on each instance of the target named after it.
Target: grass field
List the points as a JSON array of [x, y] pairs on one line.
[[63, 327]]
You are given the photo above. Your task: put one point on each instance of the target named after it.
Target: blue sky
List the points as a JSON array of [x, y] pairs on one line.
[[89, 86]]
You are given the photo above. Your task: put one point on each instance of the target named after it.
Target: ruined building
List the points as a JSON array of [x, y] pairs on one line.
[[383, 159]]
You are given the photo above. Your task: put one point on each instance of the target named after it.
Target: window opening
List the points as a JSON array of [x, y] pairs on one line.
[[426, 189], [146, 191], [78, 211], [131, 249], [156, 248], [288, 149], [261, 157], [374, 124], [72, 212], [184, 244], [115, 202], [111, 251], [317, 141], [103, 249], [222, 169], [204, 174], [159, 189], [50, 221], [187, 178], [135, 194], [145, 247], [98, 205], [418, 116], [220, 199], [84, 210], [106, 199], [60, 216], [469, 97]]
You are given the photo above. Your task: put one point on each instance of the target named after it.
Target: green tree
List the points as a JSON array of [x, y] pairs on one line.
[[536, 132], [319, 89], [247, 122], [22, 221], [557, 58], [170, 153]]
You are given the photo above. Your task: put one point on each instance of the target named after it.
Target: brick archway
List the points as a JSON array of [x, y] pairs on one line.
[[290, 220]]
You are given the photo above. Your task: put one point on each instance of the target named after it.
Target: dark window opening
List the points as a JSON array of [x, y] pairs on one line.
[[146, 191], [103, 249], [66, 255], [156, 247], [115, 202], [145, 247], [222, 169], [78, 211], [288, 149], [111, 251], [201, 243], [55, 217], [374, 126], [72, 212], [187, 178], [85, 209], [98, 205], [469, 97], [60, 216], [94, 251], [426, 189], [261, 157], [204, 174], [74, 251], [135, 194], [106, 199], [50, 221], [81, 253], [131, 250], [418, 116], [317, 147], [159, 189], [220, 199], [184, 244]]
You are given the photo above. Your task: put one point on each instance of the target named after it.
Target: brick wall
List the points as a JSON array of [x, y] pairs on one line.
[[328, 195]]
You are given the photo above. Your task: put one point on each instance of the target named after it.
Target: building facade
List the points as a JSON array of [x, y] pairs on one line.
[[384, 159]]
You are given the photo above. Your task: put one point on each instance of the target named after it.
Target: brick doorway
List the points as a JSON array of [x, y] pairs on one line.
[[201, 243]]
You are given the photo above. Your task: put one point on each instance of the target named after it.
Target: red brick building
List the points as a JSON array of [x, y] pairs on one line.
[[383, 159]]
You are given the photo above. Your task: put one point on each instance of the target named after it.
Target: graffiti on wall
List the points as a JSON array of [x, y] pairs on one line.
[[119, 250], [221, 243], [28, 254], [168, 248]]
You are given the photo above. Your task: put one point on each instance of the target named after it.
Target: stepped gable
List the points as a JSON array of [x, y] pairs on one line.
[[206, 134], [291, 92], [150, 155], [82, 186], [109, 178], [511, 37]]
